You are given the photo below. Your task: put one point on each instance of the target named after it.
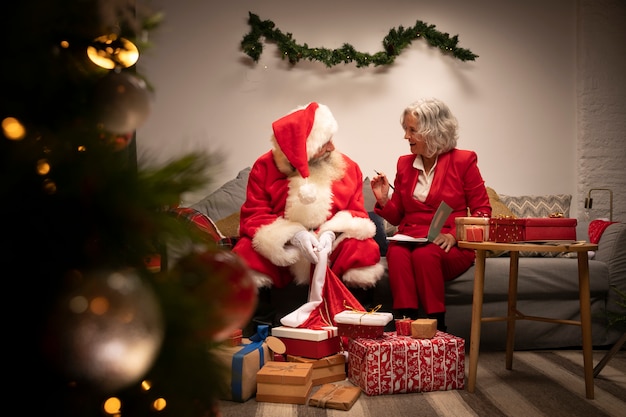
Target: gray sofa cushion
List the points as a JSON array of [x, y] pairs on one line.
[[225, 200], [538, 279]]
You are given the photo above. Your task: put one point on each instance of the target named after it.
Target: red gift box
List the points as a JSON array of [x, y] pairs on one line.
[[474, 233], [312, 349], [403, 327], [507, 229], [548, 228], [400, 364], [472, 229], [357, 330]]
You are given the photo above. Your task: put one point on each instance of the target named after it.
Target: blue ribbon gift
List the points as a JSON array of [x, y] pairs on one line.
[[256, 343]]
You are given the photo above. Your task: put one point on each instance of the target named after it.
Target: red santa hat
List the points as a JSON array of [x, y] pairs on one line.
[[300, 134]]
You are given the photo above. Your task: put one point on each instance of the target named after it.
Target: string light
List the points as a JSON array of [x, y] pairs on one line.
[[110, 51]]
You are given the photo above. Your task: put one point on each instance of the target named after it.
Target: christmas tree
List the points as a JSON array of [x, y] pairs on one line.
[[99, 322]]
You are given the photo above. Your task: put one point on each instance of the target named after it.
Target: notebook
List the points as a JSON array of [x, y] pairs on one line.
[[436, 224]]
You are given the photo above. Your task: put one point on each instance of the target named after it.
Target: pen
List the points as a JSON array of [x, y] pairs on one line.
[[390, 186]]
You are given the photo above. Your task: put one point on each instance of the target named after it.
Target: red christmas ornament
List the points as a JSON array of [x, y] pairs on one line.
[[220, 280]]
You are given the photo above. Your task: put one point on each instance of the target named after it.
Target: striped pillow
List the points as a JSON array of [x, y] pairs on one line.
[[538, 205]]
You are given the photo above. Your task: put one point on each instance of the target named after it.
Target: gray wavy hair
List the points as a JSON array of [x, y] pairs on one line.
[[437, 124]]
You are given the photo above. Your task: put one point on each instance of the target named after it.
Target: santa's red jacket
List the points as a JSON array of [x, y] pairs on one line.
[[273, 213]]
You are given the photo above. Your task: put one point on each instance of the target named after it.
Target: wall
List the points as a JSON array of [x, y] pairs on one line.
[[601, 94], [516, 104]]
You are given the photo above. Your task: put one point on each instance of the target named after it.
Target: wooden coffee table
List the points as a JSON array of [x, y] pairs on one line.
[[581, 249]]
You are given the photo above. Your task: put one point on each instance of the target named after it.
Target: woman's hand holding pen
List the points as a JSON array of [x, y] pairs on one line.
[[380, 187]]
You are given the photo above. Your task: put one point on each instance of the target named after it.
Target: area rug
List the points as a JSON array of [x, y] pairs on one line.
[[541, 383]]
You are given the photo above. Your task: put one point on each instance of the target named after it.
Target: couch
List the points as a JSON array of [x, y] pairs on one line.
[[548, 283]]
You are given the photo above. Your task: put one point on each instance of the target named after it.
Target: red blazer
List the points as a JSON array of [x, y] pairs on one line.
[[457, 181]]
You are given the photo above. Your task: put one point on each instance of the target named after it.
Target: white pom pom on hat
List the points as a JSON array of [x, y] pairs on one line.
[[300, 134]]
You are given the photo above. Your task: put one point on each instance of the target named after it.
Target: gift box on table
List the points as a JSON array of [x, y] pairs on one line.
[[335, 396], [352, 323], [243, 363], [329, 369], [396, 364], [472, 229], [284, 382], [403, 326], [549, 228], [309, 343], [507, 229]]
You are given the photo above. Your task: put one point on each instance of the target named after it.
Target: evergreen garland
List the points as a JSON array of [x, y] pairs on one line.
[[393, 44]]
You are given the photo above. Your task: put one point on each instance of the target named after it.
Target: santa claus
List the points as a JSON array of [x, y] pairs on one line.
[[305, 198]]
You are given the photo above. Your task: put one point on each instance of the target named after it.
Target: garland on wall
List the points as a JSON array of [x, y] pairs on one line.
[[394, 43]]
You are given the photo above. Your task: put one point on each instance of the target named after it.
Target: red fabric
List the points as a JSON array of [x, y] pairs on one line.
[[457, 181], [312, 349], [199, 220], [291, 133], [266, 207], [335, 297], [596, 228]]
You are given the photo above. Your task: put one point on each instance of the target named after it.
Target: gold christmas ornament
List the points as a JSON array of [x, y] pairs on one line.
[[110, 51]]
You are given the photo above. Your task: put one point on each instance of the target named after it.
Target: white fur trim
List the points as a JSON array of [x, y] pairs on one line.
[[349, 226], [365, 277], [324, 128], [310, 215], [272, 241], [307, 193], [261, 280]]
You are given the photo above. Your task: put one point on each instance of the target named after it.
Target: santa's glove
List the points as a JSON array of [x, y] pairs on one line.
[[307, 243], [326, 241]]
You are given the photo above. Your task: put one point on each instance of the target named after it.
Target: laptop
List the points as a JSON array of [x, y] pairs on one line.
[[442, 213]]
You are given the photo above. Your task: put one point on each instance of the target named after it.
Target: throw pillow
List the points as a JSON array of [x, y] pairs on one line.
[[369, 201], [498, 208], [227, 199], [537, 205], [229, 225]]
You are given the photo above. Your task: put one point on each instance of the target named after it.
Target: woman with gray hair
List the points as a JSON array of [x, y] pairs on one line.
[[434, 172]]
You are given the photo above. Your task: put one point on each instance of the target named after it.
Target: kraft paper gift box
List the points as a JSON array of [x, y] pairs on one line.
[[338, 397], [309, 343], [284, 382], [329, 369], [243, 362], [548, 228], [352, 323], [507, 229], [401, 364], [472, 229], [423, 328]]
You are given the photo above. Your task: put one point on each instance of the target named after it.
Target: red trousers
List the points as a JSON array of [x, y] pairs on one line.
[[418, 272]]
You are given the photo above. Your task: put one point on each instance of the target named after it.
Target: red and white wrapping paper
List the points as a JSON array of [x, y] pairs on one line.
[[401, 364], [353, 323]]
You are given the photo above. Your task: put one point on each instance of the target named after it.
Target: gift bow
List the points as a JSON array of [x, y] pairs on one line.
[[354, 310], [361, 312]]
